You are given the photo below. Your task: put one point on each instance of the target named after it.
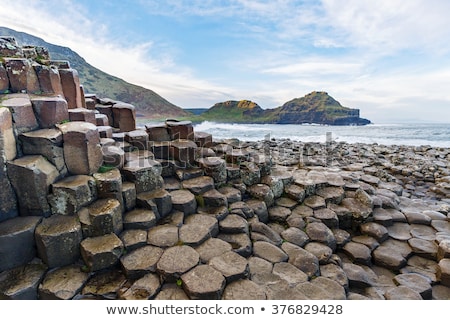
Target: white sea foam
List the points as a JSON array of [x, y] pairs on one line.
[[436, 135]]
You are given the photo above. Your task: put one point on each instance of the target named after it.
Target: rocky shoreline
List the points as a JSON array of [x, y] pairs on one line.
[[334, 221]]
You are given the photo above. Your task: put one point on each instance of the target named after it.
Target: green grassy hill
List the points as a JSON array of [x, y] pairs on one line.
[[233, 111], [147, 102], [315, 107]]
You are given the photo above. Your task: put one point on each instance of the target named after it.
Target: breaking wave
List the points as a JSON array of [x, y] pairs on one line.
[[436, 135]]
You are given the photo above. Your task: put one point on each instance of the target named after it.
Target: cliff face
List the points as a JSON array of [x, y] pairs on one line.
[[316, 107]]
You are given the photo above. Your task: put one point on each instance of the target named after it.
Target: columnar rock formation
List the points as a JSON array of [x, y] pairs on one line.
[[117, 211]]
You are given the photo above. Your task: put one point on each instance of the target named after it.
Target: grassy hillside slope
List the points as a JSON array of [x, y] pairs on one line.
[[147, 102]]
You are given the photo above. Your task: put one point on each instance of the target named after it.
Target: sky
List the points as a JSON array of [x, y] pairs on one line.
[[388, 58]]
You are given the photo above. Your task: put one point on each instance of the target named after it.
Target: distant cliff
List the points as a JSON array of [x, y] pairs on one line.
[[147, 102], [234, 111], [315, 107]]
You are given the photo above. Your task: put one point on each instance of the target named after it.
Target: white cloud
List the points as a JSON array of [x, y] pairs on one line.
[[316, 67], [388, 26]]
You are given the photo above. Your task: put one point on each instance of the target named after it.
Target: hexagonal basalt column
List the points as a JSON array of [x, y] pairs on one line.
[[46, 142], [184, 201], [184, 152], [82, 114], [198, 228], [90, 100], [70, 82], [141, 261], [250, 173], [82, 150], [50, 111], [21, 74], [7, 140], [128, 195], [161, 149], [101, 119], [237, 156], [137, 138], [160, 197], [180, 129], [62, 283], [204, 282], [17, 243], [177, 260], [199, 185], [106, 110], [124, 116], [102, 217], [203, 139], [109, 184], [444, 272], [4, 80], [145, 173], [31, 177], [22, 112], [21, 283], [8, 151], [49, 79], [58, 240], [72, 193], [157, 132], [214, 167], [262, 192], [105, 131], [101, 252], [113, 156]]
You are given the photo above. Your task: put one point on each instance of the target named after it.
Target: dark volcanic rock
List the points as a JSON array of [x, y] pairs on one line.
[[204, 282]]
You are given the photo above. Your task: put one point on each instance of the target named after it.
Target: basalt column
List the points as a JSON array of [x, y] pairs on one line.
[[82, 151], [8, 206]]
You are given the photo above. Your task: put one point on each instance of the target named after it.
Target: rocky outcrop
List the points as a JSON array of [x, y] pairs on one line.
[[147, 102], [195, 218], [234, 111], [315, 107]]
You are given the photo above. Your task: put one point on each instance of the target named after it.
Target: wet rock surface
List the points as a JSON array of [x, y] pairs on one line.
[[315, 237], [318, 238]]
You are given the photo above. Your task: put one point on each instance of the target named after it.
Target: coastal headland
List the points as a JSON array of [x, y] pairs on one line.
[[94, 206], [317, 107]]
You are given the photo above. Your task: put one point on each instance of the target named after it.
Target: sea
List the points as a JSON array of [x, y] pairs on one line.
[[389, 134]]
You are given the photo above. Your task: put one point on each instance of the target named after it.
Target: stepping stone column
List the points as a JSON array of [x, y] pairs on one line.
[[17, 242], [58, 240], [31, 177], [82, 151]]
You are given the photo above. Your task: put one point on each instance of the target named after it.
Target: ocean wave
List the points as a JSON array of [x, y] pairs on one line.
[[210, 125], [436, 135]]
